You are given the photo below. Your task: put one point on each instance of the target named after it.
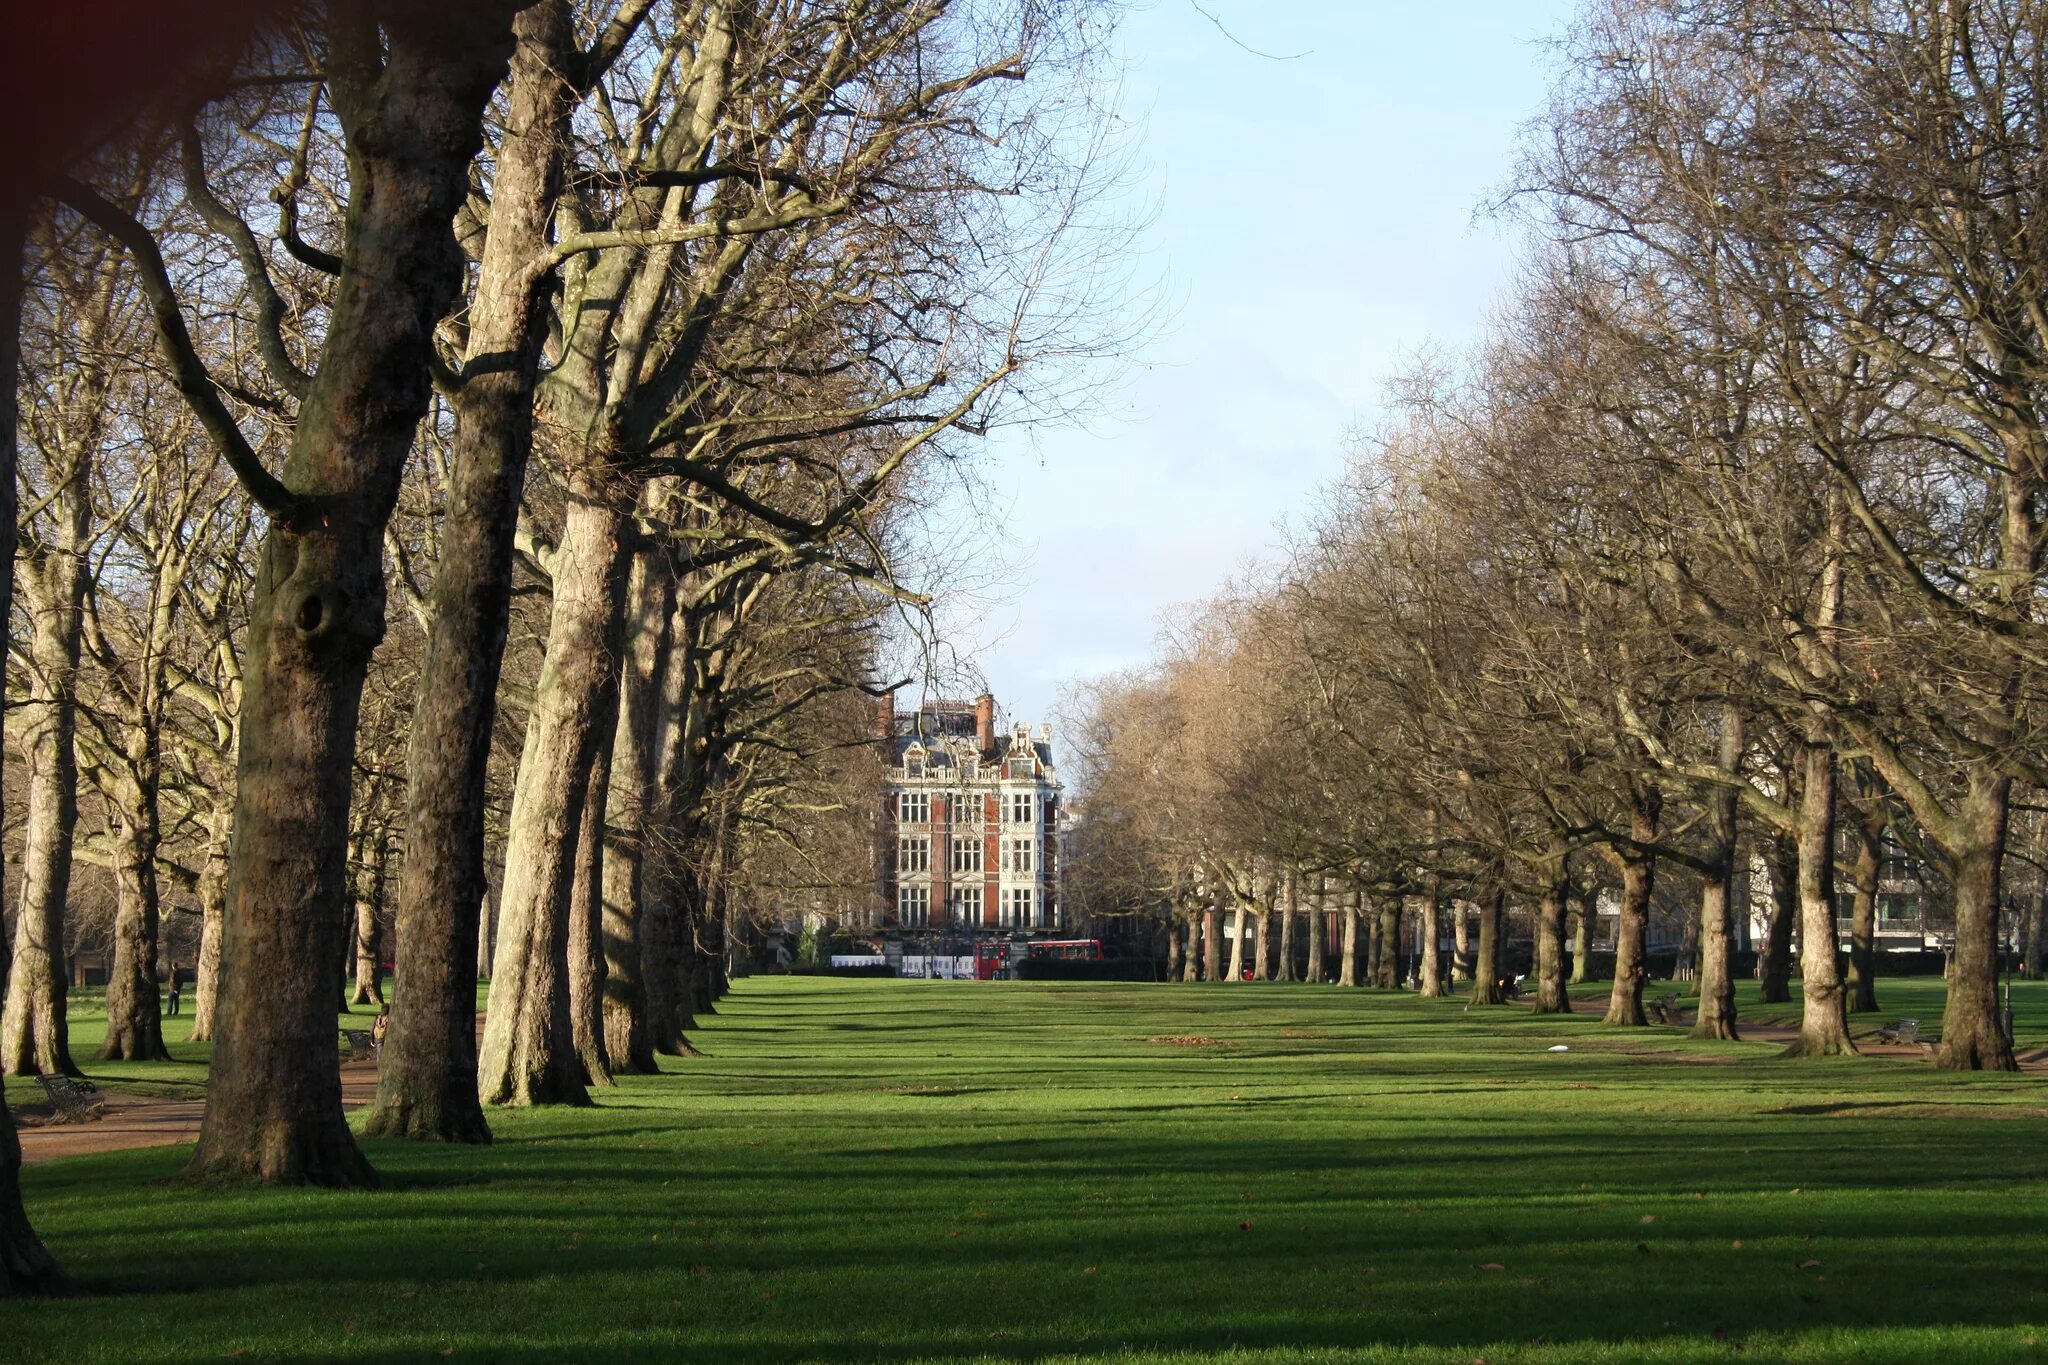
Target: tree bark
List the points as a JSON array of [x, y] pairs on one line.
[[1866, 831], [1348, 949], [135, 1029], [213, 881], [1972, 1026], [1290, 910], [1212, 944], [428, 1087], [369, 962], [1461, 941], [1716, 1017], [1638, 881], [26, 1266], [1262, 956], [1432, 947], [529, 1052], [1486, 967], [586, 929], [1388, 977], [1551, 995], [1236, 972], [1823, 1020], [2037, 919], [1318, 930], [414, 112]]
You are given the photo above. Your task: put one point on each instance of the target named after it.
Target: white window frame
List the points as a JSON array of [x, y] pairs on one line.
[[914, 905], [967, 857], [1020, 808], [914, 853], [1019, 856], [1019, 906], [964, 904], [914, 808]]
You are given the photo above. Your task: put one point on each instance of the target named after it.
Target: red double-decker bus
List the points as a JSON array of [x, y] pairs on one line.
[[1067, 950]]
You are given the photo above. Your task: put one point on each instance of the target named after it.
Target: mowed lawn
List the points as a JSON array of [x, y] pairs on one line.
[[909, 1171]]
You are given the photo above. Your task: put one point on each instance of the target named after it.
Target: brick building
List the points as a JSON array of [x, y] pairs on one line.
[[969, 818]]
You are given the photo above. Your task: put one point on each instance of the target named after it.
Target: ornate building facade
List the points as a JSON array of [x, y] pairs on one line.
[[969, 817]]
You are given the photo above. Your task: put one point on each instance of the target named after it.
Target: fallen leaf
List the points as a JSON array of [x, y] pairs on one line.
[[1493, 1265], [1245, 1226], [1647, 1218], [1809, 1265], [1738, 1244], [1089, 1271]]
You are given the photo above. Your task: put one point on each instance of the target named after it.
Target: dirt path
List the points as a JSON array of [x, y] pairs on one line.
[[140, 1121]]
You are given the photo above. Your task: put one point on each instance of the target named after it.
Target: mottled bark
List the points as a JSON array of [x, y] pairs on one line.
[[1432, 966], [1262, 945], [1318, 931], [1638, 881], [1191, 958], [1174, 954], [412, 106], [1716, 1017], [1387, 976], [213, 890], [1212, 944], [1866, 830], [1588, 897], [1237, 917], [586, 930], [1551, 995], [1348, 947], [1461, 941], [367, 938], [135, 1030], [1290, 910], [2031, 950], [26, 1266], [428, 1088], [529, 1050], [1972, 1026], [1486, 988], [1823, 1019]]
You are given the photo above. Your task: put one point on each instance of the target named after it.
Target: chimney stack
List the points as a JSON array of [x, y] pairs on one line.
[[985, 723], [885, 719]]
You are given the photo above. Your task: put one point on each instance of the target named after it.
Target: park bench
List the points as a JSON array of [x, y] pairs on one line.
[[75, 1101], [361, 1046], [1905, 1031], [1663, 1009]]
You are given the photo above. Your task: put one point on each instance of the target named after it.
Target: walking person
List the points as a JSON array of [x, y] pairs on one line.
[[172, 993]]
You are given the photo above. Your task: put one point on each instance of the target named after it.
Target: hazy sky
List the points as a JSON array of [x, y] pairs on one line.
[[1315, 225]]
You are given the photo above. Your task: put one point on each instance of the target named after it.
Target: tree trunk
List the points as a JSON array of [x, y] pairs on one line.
[[1863, 874], [1174, 955], [1716, 1017], [586, 929], [428, 1086], [1461, 941], [34, 1033], [1582, 933], [369, 959], [1774, 960], [2037, 919], [1290, 910], [1823, 1021], [1191, 956], [1318, 930], [1262, 957], [1388, 977], [1551, 995], [135, 1028], [1212, 944], [274, 1101], [212, 910], [1237, 942], [1365, 970], [26, 1267], [529, 1052], [1486, 969], [1972, 1027], [1638, 880], [1432, 946]]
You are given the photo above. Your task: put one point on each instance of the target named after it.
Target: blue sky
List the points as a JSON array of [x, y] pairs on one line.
[[1316, 225]]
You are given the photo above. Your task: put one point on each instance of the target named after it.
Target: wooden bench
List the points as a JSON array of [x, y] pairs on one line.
[[362, 1047], [1904, 1031], [75, 1100]]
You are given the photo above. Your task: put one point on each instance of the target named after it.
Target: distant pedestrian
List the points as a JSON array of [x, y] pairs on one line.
[[380, 1028], [172, 994]]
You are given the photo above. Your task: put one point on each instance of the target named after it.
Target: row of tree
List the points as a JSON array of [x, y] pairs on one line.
[[540, 562], [1726, 542]]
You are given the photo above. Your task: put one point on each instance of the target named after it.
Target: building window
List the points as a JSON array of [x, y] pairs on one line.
[[967, 856], [1017, 855], [913, 763], [914, 808], [966, 907], [966, 810], [1017, 808], [1020, 767], [1017, 906], [914, 905], [914, 853]]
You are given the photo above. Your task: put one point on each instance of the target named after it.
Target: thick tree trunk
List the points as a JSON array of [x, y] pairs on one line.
[[1582, 933], [1290, 910], [1774, 958], [428, 1089], [1551, 995], [1486, 987], [1388, 975], [2037, 919], [369, 960], [650, 605], [1262, 956], [1972, 1026], [1348, 949], [34, 1034], [1432, 948], [135, 1029], [586, 930], [1716, 1017], [1237, 942], [1174, 955], [529, 1052], [1638, 881], [1318, 930], [274, 1100], [1212, 944], [1191, 958], [26, 1267], [1823, 1020]]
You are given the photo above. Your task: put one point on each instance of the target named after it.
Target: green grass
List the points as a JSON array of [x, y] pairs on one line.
[[912, 1171]]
